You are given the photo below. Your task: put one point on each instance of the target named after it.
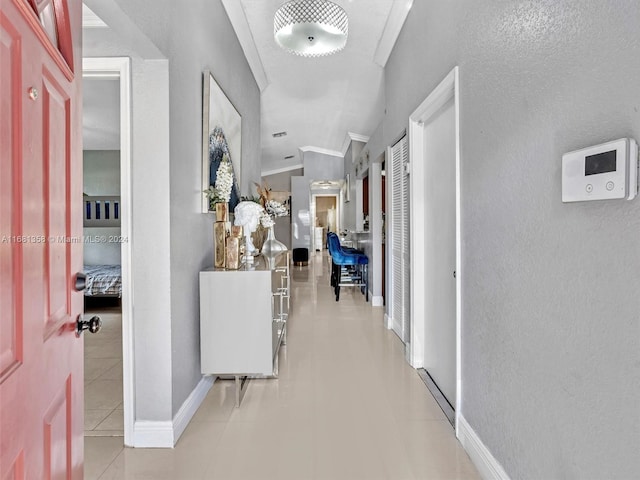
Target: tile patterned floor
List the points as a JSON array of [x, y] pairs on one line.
[[346, 406], [103, 415]]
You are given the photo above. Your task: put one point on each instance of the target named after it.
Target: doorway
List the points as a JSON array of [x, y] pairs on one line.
[[111, 74], [435, 246], [103, 414], [325, 216]]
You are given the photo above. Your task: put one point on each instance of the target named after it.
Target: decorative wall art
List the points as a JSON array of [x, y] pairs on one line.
[[221, 140]]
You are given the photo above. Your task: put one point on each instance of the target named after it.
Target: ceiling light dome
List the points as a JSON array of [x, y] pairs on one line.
[[311, 28]]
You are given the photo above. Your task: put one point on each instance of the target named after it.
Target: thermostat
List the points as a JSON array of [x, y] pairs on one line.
[[603, 172]]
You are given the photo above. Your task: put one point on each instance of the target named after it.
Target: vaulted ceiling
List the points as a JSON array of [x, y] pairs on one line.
[[318, 101]]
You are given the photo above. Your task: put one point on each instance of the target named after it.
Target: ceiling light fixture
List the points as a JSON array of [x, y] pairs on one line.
[[311, 28]]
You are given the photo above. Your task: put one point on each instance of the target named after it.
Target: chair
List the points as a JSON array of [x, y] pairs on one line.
[[349, 268], [300, 256]]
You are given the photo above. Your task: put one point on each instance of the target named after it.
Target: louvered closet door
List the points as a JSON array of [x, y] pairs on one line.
[[400, 239]]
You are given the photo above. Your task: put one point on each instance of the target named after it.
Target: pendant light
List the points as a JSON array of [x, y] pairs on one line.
[[311, 28]]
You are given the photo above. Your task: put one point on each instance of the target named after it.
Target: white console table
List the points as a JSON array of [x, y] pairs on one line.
[[243, 319]]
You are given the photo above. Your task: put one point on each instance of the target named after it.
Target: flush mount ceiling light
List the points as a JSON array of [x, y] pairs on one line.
[[311, 28]]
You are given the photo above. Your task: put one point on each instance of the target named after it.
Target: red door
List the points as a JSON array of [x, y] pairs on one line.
[[41, 360]]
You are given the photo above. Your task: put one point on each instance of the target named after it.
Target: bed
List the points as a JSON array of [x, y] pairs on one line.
[[101, 211], [103, 281], [102, 246]]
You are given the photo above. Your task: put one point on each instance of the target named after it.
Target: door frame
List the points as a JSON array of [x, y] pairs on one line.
[[448, 89], [314, 195], [110, 68]]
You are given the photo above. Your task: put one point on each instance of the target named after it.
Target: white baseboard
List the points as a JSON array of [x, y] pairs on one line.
[[165, 434], [396, 326], [376, 300], [488, 467], [387, 321], [190, 406], [153, 434]]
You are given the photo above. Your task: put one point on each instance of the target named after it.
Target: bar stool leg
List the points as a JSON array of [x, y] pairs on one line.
[[366, 282]]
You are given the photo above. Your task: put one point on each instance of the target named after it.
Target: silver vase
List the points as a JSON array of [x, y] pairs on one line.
[[271, 245]]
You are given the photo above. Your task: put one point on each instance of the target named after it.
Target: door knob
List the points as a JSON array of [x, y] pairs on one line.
[[94, 324], [81, 282]]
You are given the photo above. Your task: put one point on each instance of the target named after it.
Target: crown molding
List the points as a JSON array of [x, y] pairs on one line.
[[121, 25], [275, 171], [352, 137], [238, 20], [395, 21], [90, 19], [324, 151]]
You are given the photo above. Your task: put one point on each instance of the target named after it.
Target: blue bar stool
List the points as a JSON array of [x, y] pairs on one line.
[[348, 267]]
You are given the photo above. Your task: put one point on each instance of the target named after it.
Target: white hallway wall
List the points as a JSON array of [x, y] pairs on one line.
[[175, 236], [550, 334], [281, 182], [317, 166], [150, 204], [195, 39], [101, 176]]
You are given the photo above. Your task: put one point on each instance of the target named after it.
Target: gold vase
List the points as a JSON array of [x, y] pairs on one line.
[[233, 248], [220, 235], [222, 212]]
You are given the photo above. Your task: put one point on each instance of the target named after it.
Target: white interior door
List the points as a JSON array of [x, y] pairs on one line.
[[400, 241], [440, 249]]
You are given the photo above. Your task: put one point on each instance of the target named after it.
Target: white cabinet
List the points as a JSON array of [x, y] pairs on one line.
[[243, 315]]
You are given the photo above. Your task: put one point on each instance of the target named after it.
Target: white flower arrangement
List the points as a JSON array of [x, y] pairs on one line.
[[224, 179], [221, 192], [266, 220], [275, 208]]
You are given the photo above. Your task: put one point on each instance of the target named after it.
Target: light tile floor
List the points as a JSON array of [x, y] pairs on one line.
[[346, 406], [103, 414]]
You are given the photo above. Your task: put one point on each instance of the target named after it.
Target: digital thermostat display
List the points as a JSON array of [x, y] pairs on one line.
[[600, 163], [602, 172]]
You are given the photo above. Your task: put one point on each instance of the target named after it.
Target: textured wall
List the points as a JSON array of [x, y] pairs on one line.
[[352, 210], [150, 206], [211, 44], [349, 208], [282, 182], [300, 215], [101, 173], [317, 166], [551, 312], [101, 176]]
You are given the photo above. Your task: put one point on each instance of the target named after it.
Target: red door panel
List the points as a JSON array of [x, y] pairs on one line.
[[56, 167], [41, 360], [58, 437], [10, 212]]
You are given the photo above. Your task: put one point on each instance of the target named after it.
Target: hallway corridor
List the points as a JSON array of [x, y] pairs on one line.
[[346, 406]]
